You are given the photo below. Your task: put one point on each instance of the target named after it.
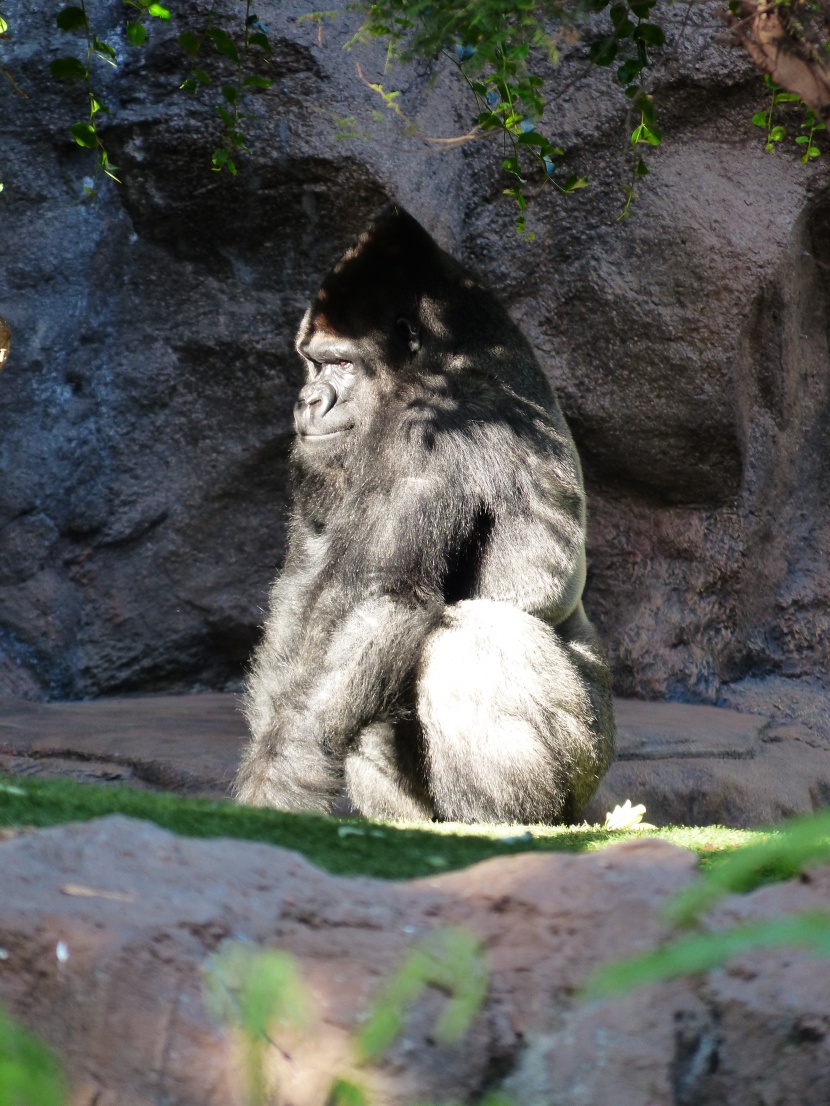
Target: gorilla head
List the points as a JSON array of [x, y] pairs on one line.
[[426, 646]]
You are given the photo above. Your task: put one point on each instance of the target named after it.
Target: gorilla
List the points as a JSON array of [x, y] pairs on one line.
[[426, 647]]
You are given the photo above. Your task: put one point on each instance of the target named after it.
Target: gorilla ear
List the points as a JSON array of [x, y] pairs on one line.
[[410, 334]]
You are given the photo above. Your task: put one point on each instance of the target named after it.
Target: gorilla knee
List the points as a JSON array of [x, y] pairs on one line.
[[507, 720]]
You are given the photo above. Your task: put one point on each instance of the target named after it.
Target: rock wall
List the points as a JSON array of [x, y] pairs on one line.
[[145, 412]]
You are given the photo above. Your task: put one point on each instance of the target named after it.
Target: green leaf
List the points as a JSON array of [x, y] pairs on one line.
[[650, 34], [802, 139], [3, 28], [29, 1073], [618, 14], [225, 116], [230, 93], [244, 986], [189, 85], [629, 71], [785, 98], [189, 43], [255, 81], [68, 69], [814, 151], [572, 184], [201, 76], [642, 8], [760, 118], [103, 49], [802, 842], [136, 33], [488, 121], [223, 43], [641, 169], [261, 40], [701, 952], [84, 134], [776, 134], [449, 959], [71, 19], [159, 11], [531, 138], [604, 51], [345, 1093]]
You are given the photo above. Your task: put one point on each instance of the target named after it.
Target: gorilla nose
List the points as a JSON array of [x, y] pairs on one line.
[[314, 403], [318, 398]]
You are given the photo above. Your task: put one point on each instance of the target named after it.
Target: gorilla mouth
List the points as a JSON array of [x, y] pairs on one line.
[[314, 436]]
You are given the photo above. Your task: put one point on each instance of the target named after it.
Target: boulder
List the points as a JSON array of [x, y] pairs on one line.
[[106, 927], [700, 765], [189, 744]]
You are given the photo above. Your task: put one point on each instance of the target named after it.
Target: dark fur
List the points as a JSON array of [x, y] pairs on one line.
[[426, 644]]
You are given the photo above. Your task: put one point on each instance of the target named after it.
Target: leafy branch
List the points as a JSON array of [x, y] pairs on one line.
[[260, 992], [86, 133], [255, 36], [501, 49], [777, 132], [784, 854]]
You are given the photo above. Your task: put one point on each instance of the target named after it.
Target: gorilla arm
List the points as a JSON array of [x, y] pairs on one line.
[[532, 483], [364, 618]]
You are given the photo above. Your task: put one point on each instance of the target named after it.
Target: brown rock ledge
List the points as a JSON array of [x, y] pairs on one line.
[[124, 1008]]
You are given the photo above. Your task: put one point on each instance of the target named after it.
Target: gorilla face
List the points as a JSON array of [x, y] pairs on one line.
[[335, 406], [325, 408], [350, 380]]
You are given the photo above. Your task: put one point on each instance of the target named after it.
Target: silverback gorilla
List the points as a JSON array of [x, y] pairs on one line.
[[426, 645]]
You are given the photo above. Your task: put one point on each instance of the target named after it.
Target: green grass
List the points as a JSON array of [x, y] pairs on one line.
[[344, 846]]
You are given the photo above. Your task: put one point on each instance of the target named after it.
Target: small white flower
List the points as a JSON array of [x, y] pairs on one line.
[[626, 817], [62, 952]]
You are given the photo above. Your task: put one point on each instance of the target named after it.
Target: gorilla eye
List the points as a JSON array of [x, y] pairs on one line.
[[344, 364]]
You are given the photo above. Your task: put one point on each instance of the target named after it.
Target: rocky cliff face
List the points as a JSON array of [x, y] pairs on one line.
[[145, 412]]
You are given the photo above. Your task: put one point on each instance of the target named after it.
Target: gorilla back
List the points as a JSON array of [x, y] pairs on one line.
[[426, 645]]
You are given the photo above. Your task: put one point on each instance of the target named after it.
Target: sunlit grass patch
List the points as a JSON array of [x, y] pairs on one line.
[[348, 846]]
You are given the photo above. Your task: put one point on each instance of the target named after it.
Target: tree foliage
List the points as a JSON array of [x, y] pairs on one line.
[[502, 50]]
